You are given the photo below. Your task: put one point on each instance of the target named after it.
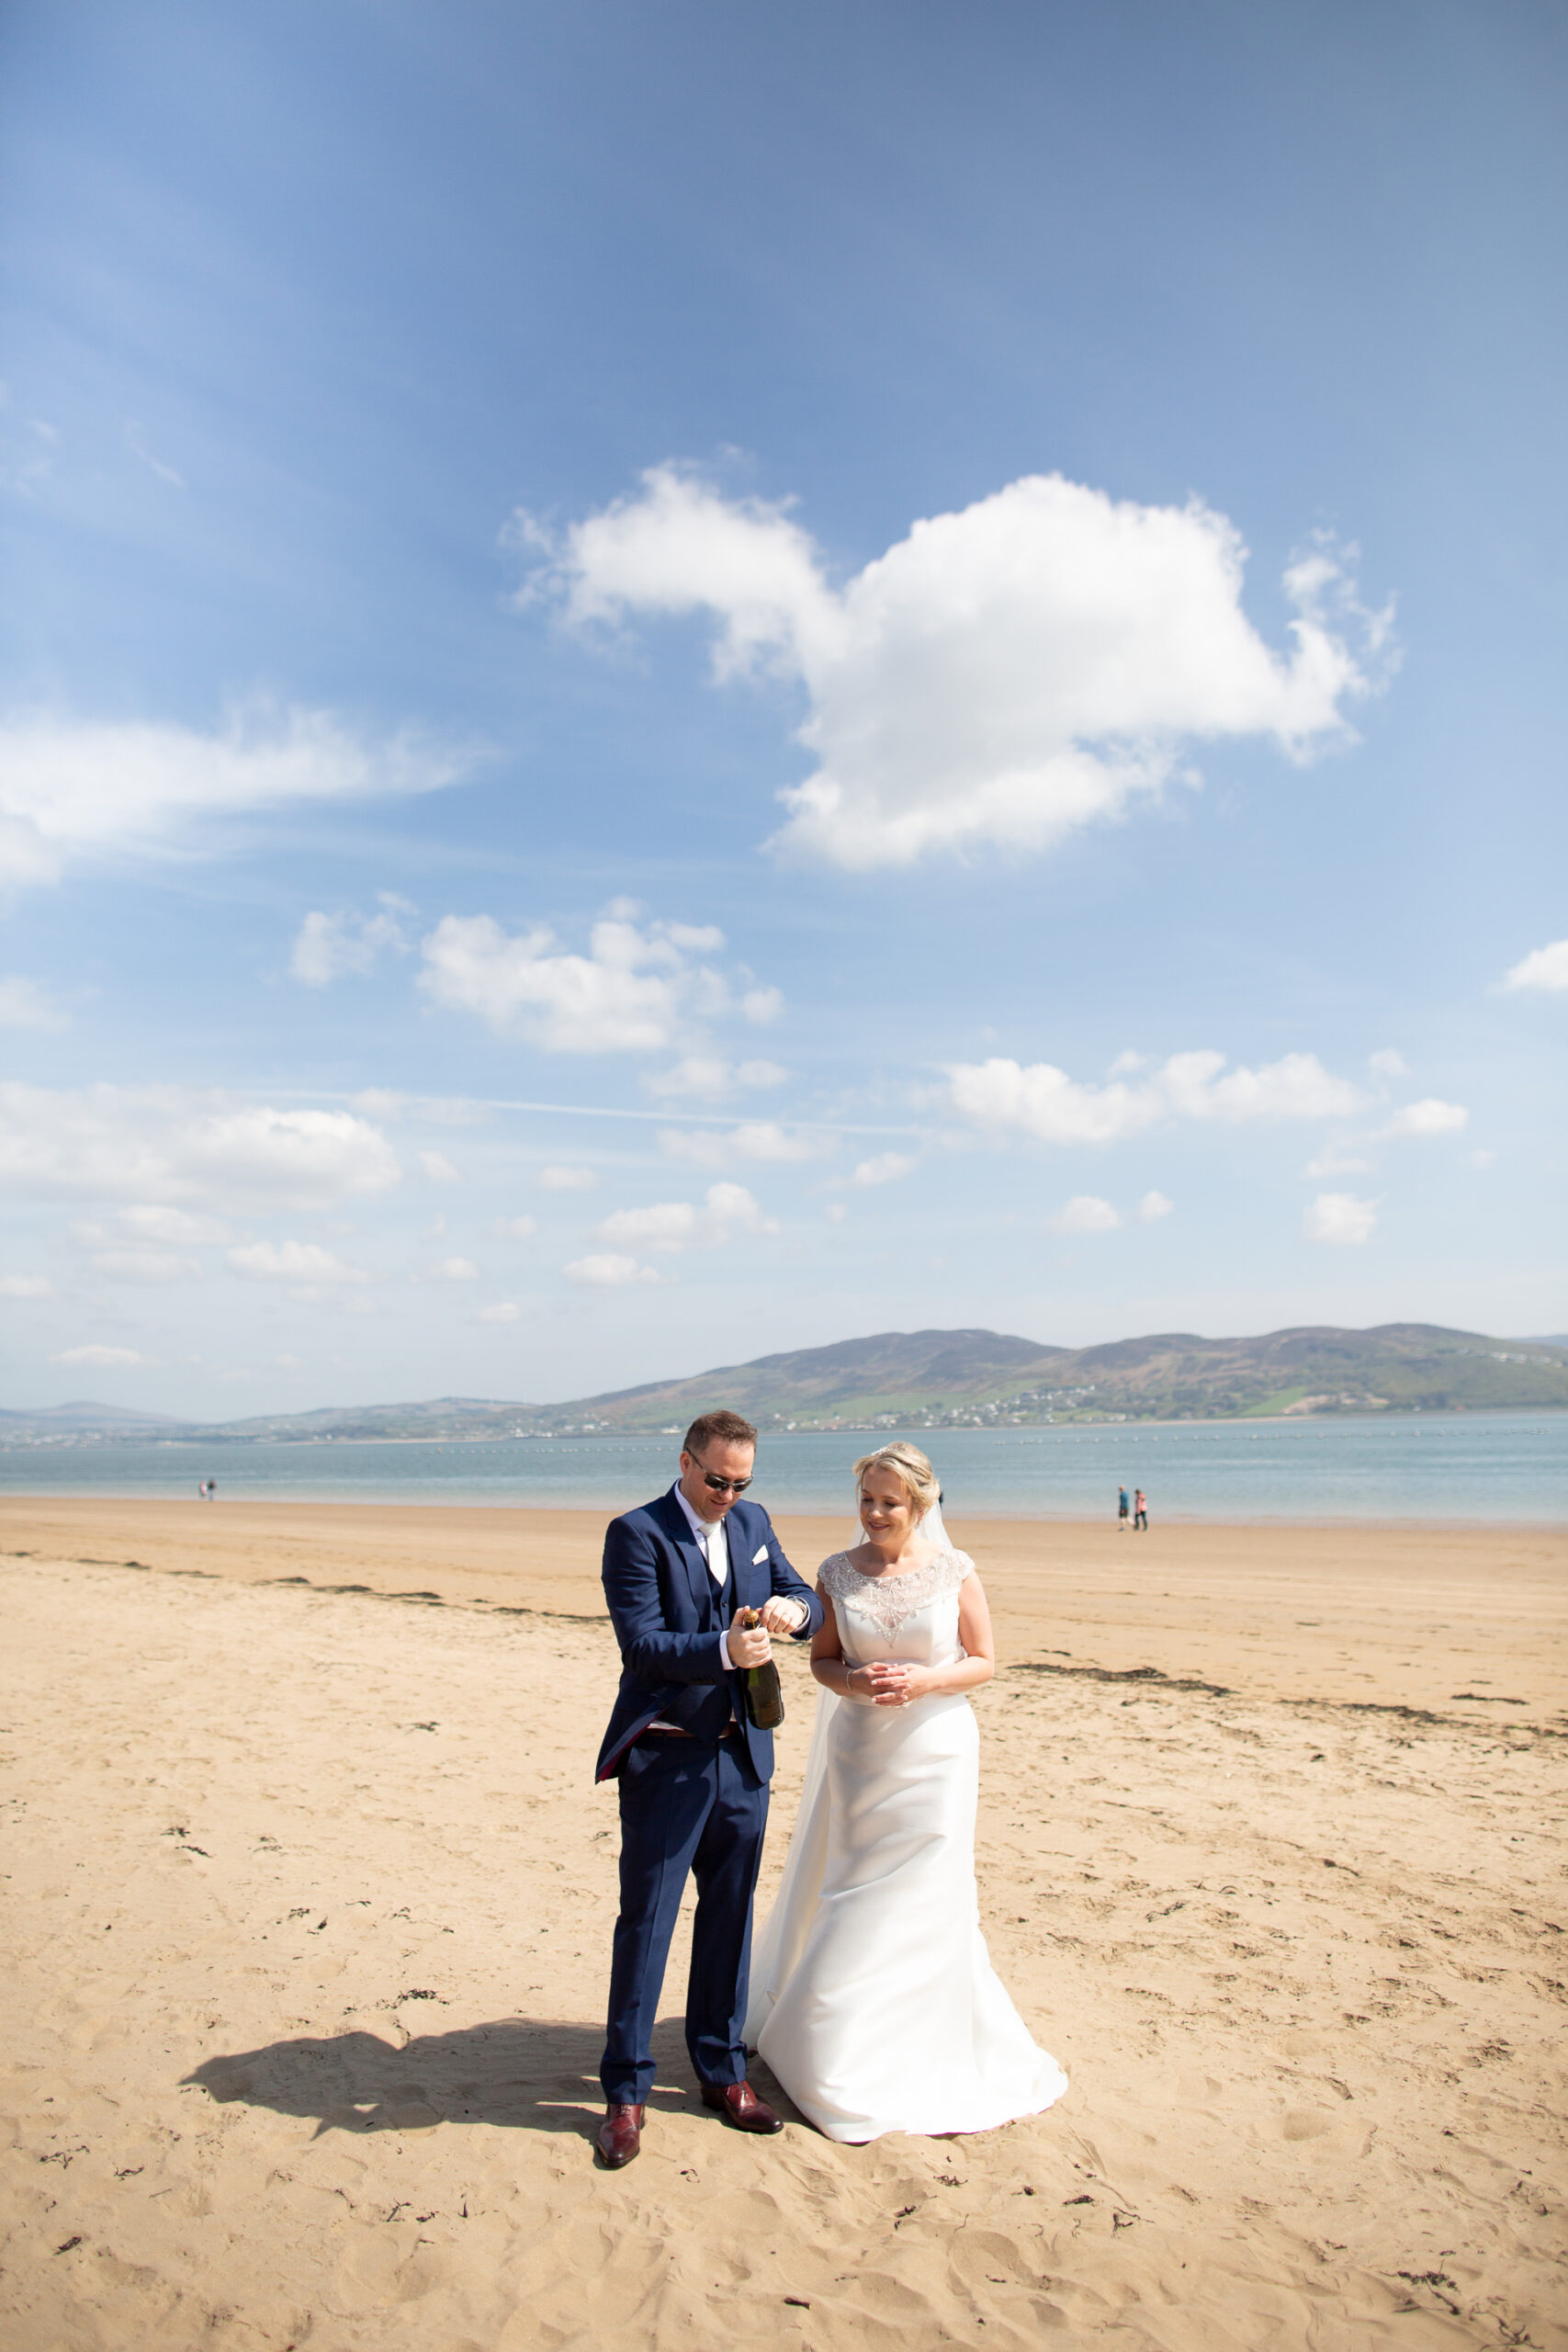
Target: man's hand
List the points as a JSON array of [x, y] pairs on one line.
[[781, 1615], [749, 1645]]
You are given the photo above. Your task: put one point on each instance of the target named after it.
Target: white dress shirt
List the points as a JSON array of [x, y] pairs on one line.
[[712, 1541], [714, 1545]]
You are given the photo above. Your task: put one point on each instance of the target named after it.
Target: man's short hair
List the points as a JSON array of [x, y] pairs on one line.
[[725, 1427]]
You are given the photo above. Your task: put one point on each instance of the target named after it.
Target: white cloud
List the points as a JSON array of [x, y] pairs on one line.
[[886, 1167], [25, 1287], [516, 1228], [1086, 1214], [710, 1078], [638, 990], [759, 1139], [145, 1265], [1544, 967], [1387, 1062], [1002, 675], [729, 1211], [506, 1310], [177, 1145], [329, 946], [609, 1272], [1043, 1101], [567, 1180], [315, 1155], [1295, 1087], [149, 1221], [455, 1270], [1429, 1117], [438, 1168], [100, 1359], [667, 1225], [24, 1005], [835, 1212], [72, 788], [293, 1261], [1339, 1217], [1337, 1160]]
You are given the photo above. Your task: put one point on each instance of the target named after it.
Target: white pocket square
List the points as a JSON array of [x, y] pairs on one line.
[[758, 1556]]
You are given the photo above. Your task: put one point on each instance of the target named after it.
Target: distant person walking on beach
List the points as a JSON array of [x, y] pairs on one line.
[[1121, 1512], [1140, 1511]]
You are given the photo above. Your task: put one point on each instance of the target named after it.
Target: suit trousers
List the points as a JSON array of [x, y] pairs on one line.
[[688, 1807]]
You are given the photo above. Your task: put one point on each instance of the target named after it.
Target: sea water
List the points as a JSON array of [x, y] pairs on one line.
[[1484, 1468]]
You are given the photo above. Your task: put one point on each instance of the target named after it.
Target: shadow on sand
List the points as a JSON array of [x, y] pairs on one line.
[[518, 2073]]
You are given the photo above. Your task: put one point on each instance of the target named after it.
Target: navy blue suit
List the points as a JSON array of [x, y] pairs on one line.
[[696, 1806]]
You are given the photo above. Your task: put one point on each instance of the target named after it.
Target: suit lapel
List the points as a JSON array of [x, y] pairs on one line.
[[740, 1550], [679, 1532]]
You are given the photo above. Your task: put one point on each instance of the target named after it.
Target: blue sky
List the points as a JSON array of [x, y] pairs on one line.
[[685, 682]]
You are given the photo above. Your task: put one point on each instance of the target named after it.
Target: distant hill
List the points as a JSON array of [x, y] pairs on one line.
[[894, 1373], [942, 1378], [951, 1379], [84, 1415], [441, 1416]]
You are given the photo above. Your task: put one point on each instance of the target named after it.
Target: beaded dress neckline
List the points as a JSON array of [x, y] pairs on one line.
[[888, 1600]]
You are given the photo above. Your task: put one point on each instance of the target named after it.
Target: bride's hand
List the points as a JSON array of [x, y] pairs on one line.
[[881, 1682], [913, 1682], [890, 1682]]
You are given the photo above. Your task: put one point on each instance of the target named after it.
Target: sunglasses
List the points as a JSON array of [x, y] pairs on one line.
[[718, 1485]]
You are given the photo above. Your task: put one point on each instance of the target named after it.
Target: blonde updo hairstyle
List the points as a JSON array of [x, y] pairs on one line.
[[911, 1469]]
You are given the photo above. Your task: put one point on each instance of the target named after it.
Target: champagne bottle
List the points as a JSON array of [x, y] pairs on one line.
[[765, 1700]]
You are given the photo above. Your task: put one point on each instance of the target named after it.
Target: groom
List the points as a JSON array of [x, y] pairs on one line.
[[693, 1769]]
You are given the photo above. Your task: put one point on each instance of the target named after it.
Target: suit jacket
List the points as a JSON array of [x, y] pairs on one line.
[[668, 1614]]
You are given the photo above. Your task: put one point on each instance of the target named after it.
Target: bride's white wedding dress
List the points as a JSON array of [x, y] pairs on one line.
[[874, 1999]]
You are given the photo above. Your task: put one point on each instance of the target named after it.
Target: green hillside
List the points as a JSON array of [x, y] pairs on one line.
[[962, 1379], [942, 1378]]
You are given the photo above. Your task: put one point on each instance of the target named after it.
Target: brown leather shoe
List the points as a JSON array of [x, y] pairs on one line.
[[620, 2134], [739, 2104]]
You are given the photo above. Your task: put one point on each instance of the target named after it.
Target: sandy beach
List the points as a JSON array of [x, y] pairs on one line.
[[311, 1896]]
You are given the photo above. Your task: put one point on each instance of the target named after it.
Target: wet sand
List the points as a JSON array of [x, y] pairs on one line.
[[310, 1897]]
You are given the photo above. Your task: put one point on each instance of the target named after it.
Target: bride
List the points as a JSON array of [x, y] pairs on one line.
[[874, 1998]]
